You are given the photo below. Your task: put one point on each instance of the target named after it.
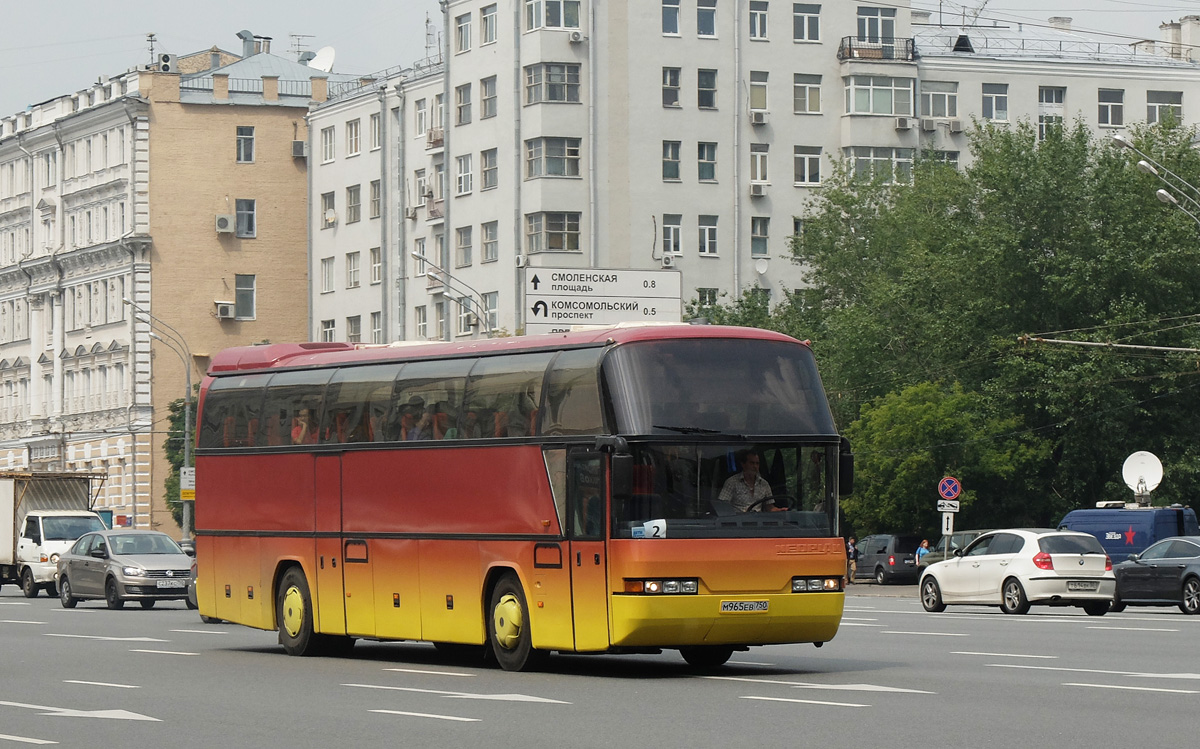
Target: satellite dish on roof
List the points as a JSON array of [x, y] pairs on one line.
[[1142, 472], [323, 60]]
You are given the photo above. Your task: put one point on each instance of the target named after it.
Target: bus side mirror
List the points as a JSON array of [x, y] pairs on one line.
[[845, 469], [622, 477]]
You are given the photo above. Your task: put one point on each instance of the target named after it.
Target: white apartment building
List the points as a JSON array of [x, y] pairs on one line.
[[681, 134]]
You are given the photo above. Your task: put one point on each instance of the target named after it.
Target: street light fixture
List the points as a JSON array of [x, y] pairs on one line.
[[1176, 187], [483, 311]]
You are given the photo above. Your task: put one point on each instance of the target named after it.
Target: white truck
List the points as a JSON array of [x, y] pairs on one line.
[[41, 516]]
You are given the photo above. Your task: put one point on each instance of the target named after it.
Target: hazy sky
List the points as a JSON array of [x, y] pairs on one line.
[[51, 49]]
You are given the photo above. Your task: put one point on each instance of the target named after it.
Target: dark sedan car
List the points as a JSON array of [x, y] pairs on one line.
[[1165, 574]]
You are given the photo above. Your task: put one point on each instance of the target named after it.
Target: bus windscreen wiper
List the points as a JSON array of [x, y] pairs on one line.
[[687, 430]]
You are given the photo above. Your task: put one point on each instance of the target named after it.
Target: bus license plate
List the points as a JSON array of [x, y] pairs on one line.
[[172, 583], [733, 607], [1083, 585]]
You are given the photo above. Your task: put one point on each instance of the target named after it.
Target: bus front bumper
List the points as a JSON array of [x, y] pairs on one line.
[[681, 620]]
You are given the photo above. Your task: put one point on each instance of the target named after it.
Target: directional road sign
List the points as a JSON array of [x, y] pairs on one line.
[[947, 505], [557, 298]]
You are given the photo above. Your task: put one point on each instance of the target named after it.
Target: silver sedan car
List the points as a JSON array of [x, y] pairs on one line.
[[122, 565]]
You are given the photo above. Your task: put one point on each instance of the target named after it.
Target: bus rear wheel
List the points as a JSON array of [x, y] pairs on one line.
[[294, 614], [508, 627], [706, 656]]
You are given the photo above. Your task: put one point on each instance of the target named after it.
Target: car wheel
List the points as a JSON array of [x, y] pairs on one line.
[[111, 596], [931, 595], [27, 585], [1190, 603], [209, 619], [147, 603], [190, 604], [1012, 598], [880, 578], [508, 627], [705, 657], [294, 615], [1097, 608], [1117, 605], [64, 594]]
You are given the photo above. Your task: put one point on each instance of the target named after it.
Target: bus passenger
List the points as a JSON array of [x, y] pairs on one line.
[[416, 423], [745, 489], [304, 428]]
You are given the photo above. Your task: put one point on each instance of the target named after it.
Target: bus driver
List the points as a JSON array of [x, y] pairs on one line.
[[743, 490]]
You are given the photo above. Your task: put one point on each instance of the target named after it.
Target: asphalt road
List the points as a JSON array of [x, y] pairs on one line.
[[895, 676]]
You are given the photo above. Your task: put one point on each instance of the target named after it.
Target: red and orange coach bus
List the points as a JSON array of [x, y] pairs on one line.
[[523, 495]]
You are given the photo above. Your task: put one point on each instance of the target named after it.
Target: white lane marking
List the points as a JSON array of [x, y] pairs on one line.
[[419, 671], [463, 695], [856, 624], [1002, 655], [1136, 629], [803, 702], [428, 715], [67, 712], [932, 634], [813, 685], [14, 603], [100, 684], [107, 639], [859, 619], [752, 663], [1063, 668], [1169, 676], [18, 621], [161, 652], [1131, 689], [24, 739], [199, 631]]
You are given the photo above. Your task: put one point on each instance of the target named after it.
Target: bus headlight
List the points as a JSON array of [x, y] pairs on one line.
[[675, 586], [816, 584]]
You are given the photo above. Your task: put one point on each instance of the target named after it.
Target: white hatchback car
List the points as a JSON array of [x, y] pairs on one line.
[[1018, 567]]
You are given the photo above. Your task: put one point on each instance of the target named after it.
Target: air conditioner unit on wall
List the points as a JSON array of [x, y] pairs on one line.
[[166, 63], [576, 37], [299, 149], [225, 310], [904, 123], [225, 223], [956, 126], [668, 261], [757, 190], [929, 125], [758, 117], [410, 213]]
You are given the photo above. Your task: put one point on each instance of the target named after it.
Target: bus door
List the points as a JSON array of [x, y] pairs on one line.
[[360, 587], [327, 593], [588, 513]]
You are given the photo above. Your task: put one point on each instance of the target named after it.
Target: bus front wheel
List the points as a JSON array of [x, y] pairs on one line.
[[706, 656], [508, 627], [294, 614]]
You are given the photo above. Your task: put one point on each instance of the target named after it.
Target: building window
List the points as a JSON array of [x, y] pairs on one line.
[[706, 297], [892, 164], [551, 82], [670, 160], [439, 314], [376, 327], [376, 258], [552, 232], [947, 157], [877, 25], [806, 22], [353, 203], [462, 98], [706, 162], [326, 144], [806, 93], [708, 235], [758, 162], [354, 329], [465, 315], [245, 145], [939, 98], [419, 265], [422, 185], [487, 24], [758, 91], [465, 175], [758, 19], [353, 142], [1111, 106], [375, 198], [353, 281], [491, 307], [326, 275], [462, 33], [491, 241], [670, 87], [552, 157], [243, 296], [462, 255], [706, 18], [328, 210], [376, 131], [246, 224], [421, 113], [870, 94], [488, 170], [1051, 108], [670, 17], [760, 227], [672, 230], [328, 331], [706, 89], [559, 14], [421, 320], [487, 97], [995, 102], [1158, 103], [808, 165]]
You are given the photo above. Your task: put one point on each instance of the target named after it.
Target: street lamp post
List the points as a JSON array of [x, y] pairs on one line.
[[176, 343], [1176, 187], [483, 311]]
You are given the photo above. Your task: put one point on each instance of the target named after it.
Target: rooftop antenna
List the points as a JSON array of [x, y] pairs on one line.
[[431, 42], [298, 43], [150, 38]]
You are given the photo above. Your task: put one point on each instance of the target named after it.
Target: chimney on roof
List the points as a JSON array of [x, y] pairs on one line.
[[214, 58], [262, 44], [1189, 37], [1171, 37], [1062, 23], [247, 43]]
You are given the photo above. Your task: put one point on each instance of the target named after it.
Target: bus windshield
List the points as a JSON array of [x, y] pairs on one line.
[[721, 386], [692, 491]]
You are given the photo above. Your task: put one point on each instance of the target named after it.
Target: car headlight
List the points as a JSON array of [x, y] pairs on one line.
[[816, 584], [684, 586], [54, 558], [133, 571]]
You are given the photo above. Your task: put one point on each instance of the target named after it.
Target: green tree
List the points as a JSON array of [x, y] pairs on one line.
[[173, 448]]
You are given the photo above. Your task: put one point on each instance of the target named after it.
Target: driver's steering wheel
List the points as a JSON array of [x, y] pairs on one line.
[[791, 503]]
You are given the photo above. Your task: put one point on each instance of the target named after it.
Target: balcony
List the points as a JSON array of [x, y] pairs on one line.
[[434, 138], [885, 50]]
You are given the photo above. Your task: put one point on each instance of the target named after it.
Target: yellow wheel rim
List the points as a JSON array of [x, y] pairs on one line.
[[508, 620], [293, 611]]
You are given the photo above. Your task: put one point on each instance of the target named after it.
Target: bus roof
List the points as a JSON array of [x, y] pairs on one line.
[[318, 354]]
